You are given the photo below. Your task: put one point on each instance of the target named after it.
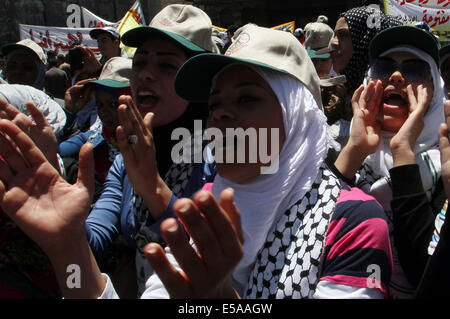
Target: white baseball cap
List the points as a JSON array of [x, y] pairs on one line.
[[191, 27], [253, 45], [25, 44]]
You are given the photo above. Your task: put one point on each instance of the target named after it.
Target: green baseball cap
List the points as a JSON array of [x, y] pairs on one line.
[[404, 35], [255, 46], [314, 55], [189, 26], [115, 73]]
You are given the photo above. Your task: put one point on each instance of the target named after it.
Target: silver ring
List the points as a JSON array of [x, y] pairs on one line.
[[132, 139]]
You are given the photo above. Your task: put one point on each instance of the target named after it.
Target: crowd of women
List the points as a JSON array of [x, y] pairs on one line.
[[361, 219]]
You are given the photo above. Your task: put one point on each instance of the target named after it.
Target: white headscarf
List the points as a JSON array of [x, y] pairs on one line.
[[381, 161], [264, 199]]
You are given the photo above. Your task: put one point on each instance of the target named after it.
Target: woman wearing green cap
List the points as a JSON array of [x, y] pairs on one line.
[[294, 232], [135, 195], [143, 181], [393, 145], [113, 82]]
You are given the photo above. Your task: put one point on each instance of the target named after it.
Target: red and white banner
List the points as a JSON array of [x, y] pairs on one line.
[[436, 13], [56, 39], [60, 40]]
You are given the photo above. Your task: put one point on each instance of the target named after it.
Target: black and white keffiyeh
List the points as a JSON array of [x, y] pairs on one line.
[[176, 179], [288, 265]]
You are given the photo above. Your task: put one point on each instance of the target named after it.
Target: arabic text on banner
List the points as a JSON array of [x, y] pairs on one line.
[[434, 12], [56, 39]]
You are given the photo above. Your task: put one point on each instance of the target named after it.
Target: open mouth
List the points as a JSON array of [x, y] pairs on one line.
[[395, 99], [146, 98]]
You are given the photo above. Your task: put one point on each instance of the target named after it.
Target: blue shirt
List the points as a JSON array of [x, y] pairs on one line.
[[113, 213]]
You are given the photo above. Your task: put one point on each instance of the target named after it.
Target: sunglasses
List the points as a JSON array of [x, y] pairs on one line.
[[416, 71]]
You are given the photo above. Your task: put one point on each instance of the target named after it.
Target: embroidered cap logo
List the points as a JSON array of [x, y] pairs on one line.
[[240, 43]]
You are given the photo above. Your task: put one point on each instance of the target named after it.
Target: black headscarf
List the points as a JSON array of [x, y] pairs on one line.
[[361, 35]]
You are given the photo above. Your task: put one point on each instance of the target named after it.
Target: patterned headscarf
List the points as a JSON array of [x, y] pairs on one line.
[[358, 20]]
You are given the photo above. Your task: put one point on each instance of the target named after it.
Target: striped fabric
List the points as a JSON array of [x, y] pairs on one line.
[[357, 243]]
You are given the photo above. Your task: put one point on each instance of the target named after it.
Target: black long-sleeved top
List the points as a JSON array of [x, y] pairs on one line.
[[435, 282], [413, 219]]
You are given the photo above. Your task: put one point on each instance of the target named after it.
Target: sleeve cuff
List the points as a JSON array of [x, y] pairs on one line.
[[109, 292], [168, 213], [406, 180]]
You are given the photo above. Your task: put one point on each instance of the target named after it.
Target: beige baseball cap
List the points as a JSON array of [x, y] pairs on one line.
[[273, 49], [25, 44], [189, 26], [317, 35], [333, 81], [115, 73]]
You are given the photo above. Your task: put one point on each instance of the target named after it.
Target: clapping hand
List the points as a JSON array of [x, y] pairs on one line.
[[36, 197], [216, 231], [39, 130], [135, 140]]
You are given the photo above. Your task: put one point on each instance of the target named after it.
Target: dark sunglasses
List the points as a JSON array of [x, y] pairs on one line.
[[416, 71]]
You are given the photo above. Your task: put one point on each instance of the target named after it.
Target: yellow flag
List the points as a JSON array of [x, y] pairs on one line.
[[288, 26], [128, 22]]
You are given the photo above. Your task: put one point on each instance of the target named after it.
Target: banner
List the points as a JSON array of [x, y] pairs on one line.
[[56, 39], [90, 20], [436, 13], [288, 26]]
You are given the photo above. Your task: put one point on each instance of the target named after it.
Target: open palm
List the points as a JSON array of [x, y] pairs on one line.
[[32, 193], [365, 132]]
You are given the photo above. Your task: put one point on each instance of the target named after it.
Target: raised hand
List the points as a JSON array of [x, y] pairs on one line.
[[48, 209], [365, 127], [40, 131], [90, 62], [217, 234], [402, 144], [36, 197], [139, 156], [444, 146], [77, 96], [365, 131]]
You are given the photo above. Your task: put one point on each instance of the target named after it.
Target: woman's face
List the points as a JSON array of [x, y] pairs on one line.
[[342, 45], [21, 69], [107, 110], [155, 65], [243, 99], [395, 104]]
